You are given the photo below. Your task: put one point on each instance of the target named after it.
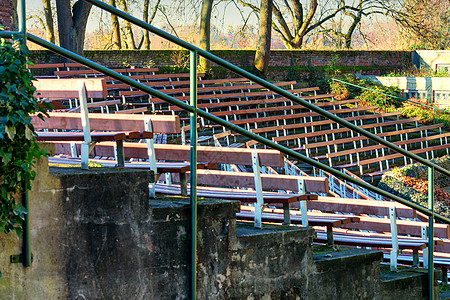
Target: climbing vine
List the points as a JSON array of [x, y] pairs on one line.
[[18, 147]]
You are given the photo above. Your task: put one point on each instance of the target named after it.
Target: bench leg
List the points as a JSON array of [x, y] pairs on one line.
[[120, 154], [415, 258], [286, 214], [330, 240], [444, 275], [84, 155], [393, 262], [183, 184], [304, 211]]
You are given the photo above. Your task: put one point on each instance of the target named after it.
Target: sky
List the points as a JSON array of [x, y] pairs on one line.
[[223, 15]]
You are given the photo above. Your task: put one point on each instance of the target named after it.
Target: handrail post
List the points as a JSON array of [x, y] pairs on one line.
[[193, 195], [385, 104], [430, 232], [26, 250], [332, 86], [22, 20]]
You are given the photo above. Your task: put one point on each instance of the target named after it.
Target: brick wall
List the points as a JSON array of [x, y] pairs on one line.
[[282, 62], [6, 14]]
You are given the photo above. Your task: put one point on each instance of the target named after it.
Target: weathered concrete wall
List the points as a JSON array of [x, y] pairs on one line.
[[96, 235], [431, 58]]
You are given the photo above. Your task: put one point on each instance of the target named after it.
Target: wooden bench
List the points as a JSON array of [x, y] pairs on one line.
[[362, 138], [258, 102], [305, 115], [286, 109], [209, 91], [313, 219], [312, 125], [99, 122], [386, 158], [222, 155], [172, 84], [358, 151], [440, 260], [335, 131]]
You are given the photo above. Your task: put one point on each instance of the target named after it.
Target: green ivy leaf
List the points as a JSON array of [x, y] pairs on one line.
[[10, 131]]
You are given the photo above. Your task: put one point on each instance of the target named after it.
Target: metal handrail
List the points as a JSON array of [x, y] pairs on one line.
[[224, 123], [193, 110], [262, 82], [392, 96]]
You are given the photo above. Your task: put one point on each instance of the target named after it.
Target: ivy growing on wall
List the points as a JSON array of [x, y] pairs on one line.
[[18, 148]]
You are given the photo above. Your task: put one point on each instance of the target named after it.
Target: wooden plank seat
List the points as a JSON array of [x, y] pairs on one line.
[[269, 181], [404, 227], [87, 72], [361, 207], [317, 219], [96, 136], [362, 241], [161, 167], [295, 219], [106, 122], [57, 89], [159, 77], [139, 110], [245, 196]]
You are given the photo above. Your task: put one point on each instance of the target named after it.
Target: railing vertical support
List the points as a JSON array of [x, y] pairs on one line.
[[385, 103], [332, 86], [26, 250], [431, 232], [193, 195]]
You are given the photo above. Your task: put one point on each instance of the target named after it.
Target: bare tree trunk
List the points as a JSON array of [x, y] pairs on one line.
[[145, 44], [262, 55], [72, 24], [129, 37], [49, 28], [116, 44], [146, 37], [205, 32]]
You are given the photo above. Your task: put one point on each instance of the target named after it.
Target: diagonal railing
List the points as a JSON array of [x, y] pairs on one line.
[[194, 111]]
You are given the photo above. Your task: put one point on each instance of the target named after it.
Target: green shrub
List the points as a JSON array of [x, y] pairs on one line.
[[18, 147], [381, 99]]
